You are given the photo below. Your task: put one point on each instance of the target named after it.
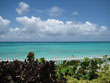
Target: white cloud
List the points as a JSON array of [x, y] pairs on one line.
[[75, 13], [35, 27], [55, 11], [14, 29], [23, 7], [3, 22]]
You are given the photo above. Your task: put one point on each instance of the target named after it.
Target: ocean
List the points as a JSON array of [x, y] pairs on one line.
[[13, 50]]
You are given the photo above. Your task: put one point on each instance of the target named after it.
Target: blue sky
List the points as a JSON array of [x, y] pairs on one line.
[[54, 20]]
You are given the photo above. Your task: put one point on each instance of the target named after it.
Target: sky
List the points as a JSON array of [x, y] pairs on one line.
[[54, 20]]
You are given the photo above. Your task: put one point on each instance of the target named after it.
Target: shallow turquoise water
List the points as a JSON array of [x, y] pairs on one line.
[[20, 50]]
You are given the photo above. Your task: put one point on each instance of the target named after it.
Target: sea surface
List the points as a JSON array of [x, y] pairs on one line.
[[13, 50]]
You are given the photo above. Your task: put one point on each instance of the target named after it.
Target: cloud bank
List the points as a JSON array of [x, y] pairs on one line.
[[35, 27], [57, 27]]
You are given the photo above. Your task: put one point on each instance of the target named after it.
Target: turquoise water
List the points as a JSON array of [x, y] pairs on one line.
[[20, 50]]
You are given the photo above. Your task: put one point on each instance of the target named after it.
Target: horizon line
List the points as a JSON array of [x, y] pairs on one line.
[[48, 41]]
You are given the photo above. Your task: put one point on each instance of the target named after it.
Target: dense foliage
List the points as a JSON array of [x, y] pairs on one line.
[[94, 70], [103, 77], [26, 72], [85, 70]]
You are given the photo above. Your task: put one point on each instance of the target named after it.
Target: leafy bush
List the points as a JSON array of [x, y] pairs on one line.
[[103, 77], [41, 71], [86, 70], [70, 79], [42, 59], [30, 56], [24, 72]]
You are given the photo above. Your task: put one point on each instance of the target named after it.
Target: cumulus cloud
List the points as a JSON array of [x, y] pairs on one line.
[[14, 29], [55, 11], [23, 7], [75, 13], [3, 23], [35, 27]]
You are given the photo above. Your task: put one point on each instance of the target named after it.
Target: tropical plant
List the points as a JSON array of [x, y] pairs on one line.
[[42, 59], [87, 69], [30, 56], [103, 77]]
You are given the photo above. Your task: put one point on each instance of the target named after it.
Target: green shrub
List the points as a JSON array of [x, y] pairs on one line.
[[87, 72], [64, 62], [71, 80], [87, 69], [42, 59], [103, 77], [30, 56]]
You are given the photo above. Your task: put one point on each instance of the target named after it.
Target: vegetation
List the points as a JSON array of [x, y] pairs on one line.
[[94, 70], [103, 77], [42, 60], [30, 56], [28, 72], [87, 71]]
